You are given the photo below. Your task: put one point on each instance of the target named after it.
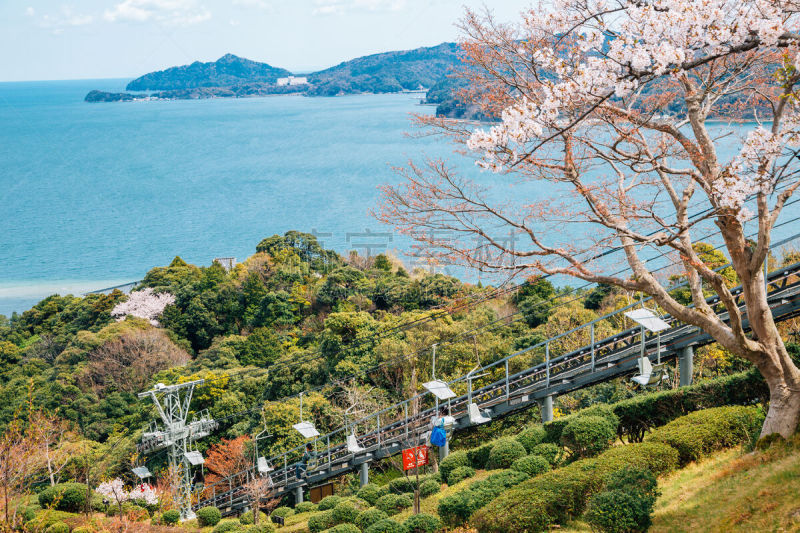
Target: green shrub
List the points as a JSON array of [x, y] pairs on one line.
[[422, 523], [282, 512], [248, 518], [369, 517], [638, 480], [392, 504], [478, 457], [84, 529], [429, 487], [554, 428], [321, 521], [329, 502], [505, 452], [230, 525], [657, 457], [533, 465], [531, 436], [702, 432], [370, 493], [265, 527], [616, 511], [58, 527], [451, 462], [305, 507], [47, 517], [344, 528], [552, 452], [170, 517], [403, 484], [69, 497], [455, 509], [587, 436], [345, 512], [28, 514], [461, 473], [386, 526], [208, 516]]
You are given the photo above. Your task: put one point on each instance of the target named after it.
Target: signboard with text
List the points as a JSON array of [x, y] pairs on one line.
[[414, 457]]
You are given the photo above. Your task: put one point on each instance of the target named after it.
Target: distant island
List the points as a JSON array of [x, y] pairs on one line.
[[232, 76]]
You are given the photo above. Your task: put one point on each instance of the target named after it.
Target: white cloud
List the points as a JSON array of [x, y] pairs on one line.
[[169, 12], [64, 18], [331, 7], [260, 4], [30, 12]]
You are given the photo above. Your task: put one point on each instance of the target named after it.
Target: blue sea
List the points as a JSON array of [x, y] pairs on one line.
[[94, 195]]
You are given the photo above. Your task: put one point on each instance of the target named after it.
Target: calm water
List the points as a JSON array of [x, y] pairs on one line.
[[93, 195]]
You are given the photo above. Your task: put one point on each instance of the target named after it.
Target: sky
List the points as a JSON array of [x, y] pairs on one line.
[[80, 39]]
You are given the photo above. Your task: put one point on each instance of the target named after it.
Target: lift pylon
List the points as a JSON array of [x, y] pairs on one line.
[[176, 435]]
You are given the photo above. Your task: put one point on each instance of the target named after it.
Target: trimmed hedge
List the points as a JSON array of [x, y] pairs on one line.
[[228, 526], [478, 457], [429, 487], [531, 436], [386, 526], [344, 528], [392, 504], [552, 452], [321, 521], [345, 512], [702, 432], [264, 527], [170, 517], [422, 523], [69, 497], [329, 502], [587, 436], [533, 465], [248, 518], [460, 474], [451, 462], [617, 511], [369, 517], [504, 453], [305, 507], [370, 493], [282, 512], [58, 527], [208, 516], [455, 509], [554, 428]]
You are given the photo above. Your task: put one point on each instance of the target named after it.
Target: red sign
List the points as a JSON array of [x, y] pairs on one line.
[[413, 457]]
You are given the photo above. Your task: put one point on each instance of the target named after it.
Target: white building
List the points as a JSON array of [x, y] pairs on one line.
[[291, 80]]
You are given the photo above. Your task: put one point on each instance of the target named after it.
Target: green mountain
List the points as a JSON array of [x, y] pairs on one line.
[[227, 71]]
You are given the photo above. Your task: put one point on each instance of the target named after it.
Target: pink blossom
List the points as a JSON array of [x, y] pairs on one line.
[[143, 304]]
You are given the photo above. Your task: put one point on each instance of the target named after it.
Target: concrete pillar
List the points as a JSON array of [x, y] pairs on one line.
[[364, 474], [298, 495], [547, 409], [686, 365], [444, 451]]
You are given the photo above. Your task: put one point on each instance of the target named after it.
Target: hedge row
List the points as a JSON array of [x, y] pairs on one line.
[[455, 509], [559, 495]]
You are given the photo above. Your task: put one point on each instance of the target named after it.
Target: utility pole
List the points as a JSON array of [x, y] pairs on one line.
[[176, 435]]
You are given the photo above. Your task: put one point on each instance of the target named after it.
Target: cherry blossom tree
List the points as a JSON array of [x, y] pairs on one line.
[[115, 489], [143, 304], [621, 115]]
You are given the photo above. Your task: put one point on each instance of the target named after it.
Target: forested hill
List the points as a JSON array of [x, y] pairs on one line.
[[408, 70], [227, 71]]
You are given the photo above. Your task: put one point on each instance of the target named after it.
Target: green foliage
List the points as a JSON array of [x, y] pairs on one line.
[[702, 432], [587, 436], [70, 497], [618, 511], [248, 518], [344, 528], [422, 523], [208, 516], [504, 453], [451, 462], [305, 507], [170, 517], [261, 527], [345, 512], [370, 493], [392, 504], [329, 502], [461, 473], [429, 487], [479, 456], [455, 509], [531, 436], [596, 296], [534, 300], [284, 511], [386, 526], [228, 526], [403, 484], [47, 517], [551, 452], [58, 527], [369, 517], [554, 428], [532, 465], [321, 521]]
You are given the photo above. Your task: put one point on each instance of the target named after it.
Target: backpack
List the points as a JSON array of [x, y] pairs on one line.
[[439, 435]]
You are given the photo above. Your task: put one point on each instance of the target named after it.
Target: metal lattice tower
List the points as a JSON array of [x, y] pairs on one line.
[[174, 433]]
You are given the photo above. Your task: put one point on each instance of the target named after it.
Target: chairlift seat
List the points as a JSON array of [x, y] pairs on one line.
[[648, 374], [352, 444], [263, 466], [475, 415]]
